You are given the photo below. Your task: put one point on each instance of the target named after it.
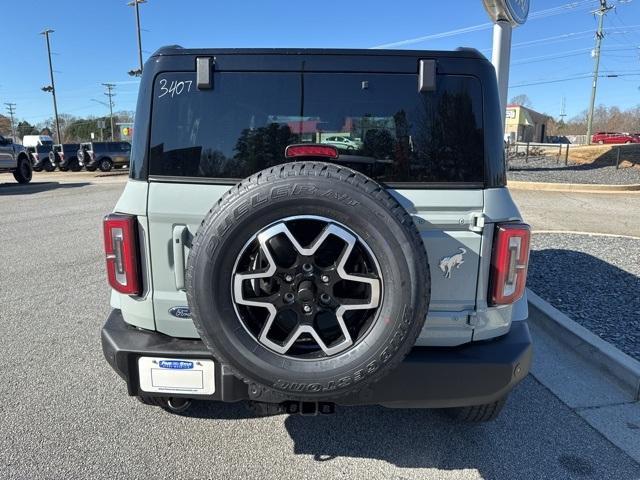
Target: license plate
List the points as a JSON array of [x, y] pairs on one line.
[[177, 375]]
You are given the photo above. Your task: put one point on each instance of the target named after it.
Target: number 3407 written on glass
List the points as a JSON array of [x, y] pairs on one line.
[[175, 88]]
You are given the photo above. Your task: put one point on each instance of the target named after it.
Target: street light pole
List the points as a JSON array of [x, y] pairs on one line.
[[136, 5], [500, 58], [101, 122], [601, 12], [506, 15], [53, 85], [109, 93]]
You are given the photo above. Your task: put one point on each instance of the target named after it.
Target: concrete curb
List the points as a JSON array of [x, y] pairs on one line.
[[594, 349], [572, 187]]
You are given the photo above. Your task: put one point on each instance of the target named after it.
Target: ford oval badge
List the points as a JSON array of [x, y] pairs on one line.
[[180, 312], [175, 364]]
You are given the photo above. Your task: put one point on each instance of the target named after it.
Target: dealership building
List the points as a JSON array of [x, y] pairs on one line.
[[524, 125]]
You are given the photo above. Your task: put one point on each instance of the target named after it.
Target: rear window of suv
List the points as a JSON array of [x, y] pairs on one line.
[[380, 123]]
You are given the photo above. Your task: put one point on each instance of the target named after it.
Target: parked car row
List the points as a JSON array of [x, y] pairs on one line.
[[615, 137], [92, 156], [104, 155]]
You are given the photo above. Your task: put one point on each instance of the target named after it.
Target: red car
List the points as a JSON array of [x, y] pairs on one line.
[[614, 137]]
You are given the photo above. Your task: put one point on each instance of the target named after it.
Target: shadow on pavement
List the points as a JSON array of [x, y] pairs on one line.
[[112, 174], [219, 411], [36, 187], [535, 437]]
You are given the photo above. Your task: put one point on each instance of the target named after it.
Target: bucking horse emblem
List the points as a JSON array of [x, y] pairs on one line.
[[447, 264]]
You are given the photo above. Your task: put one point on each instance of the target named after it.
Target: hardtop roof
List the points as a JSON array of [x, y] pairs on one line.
[[461, 52]]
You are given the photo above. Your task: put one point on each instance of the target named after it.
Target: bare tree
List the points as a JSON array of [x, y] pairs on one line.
[[521, 99], [605, 119]]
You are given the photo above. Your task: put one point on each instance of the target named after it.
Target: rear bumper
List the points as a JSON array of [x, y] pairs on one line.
[[471, 374]]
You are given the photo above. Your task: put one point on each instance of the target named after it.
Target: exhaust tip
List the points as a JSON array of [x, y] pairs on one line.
[[178, 405]]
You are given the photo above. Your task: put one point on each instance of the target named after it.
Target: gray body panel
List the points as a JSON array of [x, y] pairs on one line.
[[446, 219]]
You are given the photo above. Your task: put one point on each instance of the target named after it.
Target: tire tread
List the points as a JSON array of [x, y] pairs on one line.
[[361, 182]]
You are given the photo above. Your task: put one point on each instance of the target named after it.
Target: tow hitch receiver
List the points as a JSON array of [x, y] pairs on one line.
[[310, 408], [291, 408]]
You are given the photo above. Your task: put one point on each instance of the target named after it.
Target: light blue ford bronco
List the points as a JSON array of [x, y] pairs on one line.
[[309, 228]]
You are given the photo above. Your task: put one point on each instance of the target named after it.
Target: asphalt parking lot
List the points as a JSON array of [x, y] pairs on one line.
[[65, 413], [615, 214]]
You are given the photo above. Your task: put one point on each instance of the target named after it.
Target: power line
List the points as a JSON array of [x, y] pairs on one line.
[[554, 80], [549, 12], [572, 53], [570, 36], [577, 76], [619, 20], [542, 58]]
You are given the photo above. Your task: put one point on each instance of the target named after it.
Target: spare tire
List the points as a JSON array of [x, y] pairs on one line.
[[309, 280]]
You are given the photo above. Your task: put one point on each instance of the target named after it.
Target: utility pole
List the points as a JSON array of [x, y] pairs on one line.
[[136, 5], [11, 108], [601, 12], [109, 93], [52, 88]]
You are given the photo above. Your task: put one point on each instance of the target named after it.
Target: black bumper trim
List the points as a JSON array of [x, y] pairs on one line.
[[437, 377]]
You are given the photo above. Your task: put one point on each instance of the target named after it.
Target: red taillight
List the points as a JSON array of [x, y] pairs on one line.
[[509, 263], [121, 250], [311, 150]]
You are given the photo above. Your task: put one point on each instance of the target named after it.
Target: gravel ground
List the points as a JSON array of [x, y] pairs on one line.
[[593, 279], [545, 169], [65, 413]]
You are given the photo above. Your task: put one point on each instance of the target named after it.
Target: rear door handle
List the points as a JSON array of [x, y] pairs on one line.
[[179, 235]]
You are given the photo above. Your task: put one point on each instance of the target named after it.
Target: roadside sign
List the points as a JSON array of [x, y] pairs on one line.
[[126, 130], [93, 136], [513, 11]]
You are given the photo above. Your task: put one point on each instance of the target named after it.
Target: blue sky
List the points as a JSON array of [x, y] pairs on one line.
[[94, 42]]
